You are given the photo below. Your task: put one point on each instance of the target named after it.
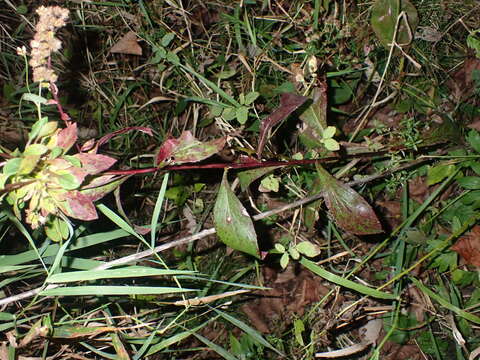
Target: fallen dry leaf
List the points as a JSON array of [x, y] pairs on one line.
[[468, 246], [127, 45]]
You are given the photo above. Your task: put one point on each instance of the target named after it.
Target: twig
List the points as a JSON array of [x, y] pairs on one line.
[[206, 232]]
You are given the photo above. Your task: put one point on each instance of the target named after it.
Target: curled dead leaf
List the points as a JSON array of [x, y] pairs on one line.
[[127, 45], [468, 246]]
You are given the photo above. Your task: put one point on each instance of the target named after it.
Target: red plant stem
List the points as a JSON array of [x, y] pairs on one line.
[[249, 165]]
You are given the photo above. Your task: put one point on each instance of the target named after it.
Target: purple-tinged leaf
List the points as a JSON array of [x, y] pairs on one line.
[[315, 118], [80, 206], [107, 137], [349, 210], [95, 163], [288, 104], [88, 145], [232, 221], [101, 186], [67, 137], [187, 149]]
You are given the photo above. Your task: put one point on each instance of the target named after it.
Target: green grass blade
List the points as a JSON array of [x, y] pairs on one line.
[[8, 268], [122, 224], [91, 290], [218, 349], [344, 282], [52, 250], [254, 334], [58, 257], [173, 340], [158, 208], [466, 315], [127, 272]]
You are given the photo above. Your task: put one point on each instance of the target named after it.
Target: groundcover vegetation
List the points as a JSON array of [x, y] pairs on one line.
[[267, 179]]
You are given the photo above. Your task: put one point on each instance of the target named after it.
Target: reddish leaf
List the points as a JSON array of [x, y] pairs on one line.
[[107, 137], [187, 149], [468, 246], [95, 163], [349, 210], [288, 104], [67, 137], [80, 206], [101, 186], [89, 144]]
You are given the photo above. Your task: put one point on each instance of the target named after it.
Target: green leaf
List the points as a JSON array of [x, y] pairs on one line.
[[470, 182], [39, 124], [28, 164], [226, 74], [68, 181], [308, 249], [229, 113], [36, 99], [242, 114], [56, 229], [280, 248], [294, 254], [331, 144], [474, 43], [35, 149], [270, 183], [298, 329], [384, 19], [167, 39], [349, 210], [473, 139], [329, 132], [314, 118], [284, 260], [11, 166], [438, 173], [248, 176], [251, 97], [232, 221]]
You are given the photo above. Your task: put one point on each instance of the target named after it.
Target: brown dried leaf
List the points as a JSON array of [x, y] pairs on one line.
[[468, 246], [127, 45]]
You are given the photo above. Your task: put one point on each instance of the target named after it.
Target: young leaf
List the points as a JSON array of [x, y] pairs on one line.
[[331, 144], [251, 97], [284, 260], [308, 249], [329, 132], [288, 104], [248, 176], [242, 114], [232, 222], [349, 210]]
